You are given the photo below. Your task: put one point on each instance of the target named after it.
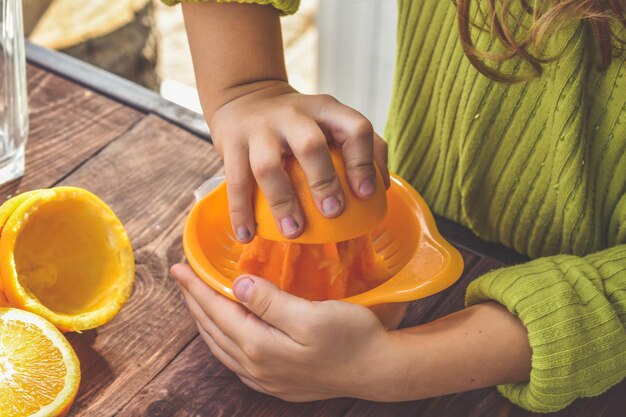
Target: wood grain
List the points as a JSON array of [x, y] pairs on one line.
[[68, 124], [196, 383], [147, 176], [105, 83]]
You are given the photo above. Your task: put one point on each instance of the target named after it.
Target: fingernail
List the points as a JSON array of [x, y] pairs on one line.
[[243, 289], [243, 234], [331, 205], [289, 225], [366, 188]]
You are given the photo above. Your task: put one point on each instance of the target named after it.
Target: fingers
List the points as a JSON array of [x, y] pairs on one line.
[[278, 308], [220, 354], [241, 335], [239, 183], [309, 146], [355, 134], [267, 167], [381, 158], [206, 324], [204, 303]]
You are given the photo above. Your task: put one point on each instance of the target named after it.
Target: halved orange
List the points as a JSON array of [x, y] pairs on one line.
[[39, 371], [65, 256], [358, 218]]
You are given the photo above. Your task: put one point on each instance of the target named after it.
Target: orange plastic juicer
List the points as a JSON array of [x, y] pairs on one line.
[[380, 250]]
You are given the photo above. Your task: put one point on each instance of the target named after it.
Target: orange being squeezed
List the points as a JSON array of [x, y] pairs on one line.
[[328, 271], [385, 249]]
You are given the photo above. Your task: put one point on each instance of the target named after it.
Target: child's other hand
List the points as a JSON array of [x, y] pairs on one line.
[[289, 347], [262, 122]]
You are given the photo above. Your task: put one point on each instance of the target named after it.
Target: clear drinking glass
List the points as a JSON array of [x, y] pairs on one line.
[[13, 98]]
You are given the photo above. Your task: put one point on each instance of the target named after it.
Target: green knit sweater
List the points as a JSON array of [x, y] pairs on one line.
[[538, 166]]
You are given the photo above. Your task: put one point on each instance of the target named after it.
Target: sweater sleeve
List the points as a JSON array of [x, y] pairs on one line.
[[284, 6], [574, 309]]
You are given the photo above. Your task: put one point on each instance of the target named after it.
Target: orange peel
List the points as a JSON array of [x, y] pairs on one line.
[[65, 256]]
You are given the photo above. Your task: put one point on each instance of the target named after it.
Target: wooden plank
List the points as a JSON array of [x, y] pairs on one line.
[[68, 124], [147, 176], [196, 383]]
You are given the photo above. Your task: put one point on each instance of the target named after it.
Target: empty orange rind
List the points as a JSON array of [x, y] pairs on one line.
[[419, 260], [65, 256]]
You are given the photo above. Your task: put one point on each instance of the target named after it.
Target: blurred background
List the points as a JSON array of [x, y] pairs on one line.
[[341, 47]]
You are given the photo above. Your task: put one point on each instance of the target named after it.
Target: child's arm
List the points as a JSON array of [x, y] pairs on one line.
[[256, 118], [569, 311], [574, 309], [300, 350]]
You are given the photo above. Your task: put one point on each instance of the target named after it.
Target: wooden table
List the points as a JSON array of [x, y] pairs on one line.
[[144, 157]]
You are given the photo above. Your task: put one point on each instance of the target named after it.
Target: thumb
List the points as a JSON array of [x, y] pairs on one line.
[[278, 308]]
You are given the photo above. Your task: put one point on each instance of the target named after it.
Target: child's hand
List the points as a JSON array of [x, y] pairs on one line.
[[262, 122], [291, 348]]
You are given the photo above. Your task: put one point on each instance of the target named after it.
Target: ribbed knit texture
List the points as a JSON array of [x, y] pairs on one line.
[[538, 166], [574, 309]]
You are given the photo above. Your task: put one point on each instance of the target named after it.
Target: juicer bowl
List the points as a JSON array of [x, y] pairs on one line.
[[420, 261]]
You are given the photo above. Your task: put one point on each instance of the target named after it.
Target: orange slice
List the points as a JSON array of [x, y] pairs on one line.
[[65, 256], [39, 372]]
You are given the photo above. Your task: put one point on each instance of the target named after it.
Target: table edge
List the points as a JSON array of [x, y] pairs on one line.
[[117, 88]]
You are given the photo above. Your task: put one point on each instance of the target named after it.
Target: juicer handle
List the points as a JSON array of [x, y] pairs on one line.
[[208, 186]]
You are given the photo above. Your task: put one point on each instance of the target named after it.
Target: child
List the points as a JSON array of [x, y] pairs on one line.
[[509, 120]]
